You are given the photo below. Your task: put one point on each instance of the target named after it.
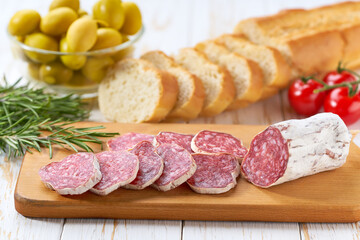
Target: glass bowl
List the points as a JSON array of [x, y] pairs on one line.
[[64, 72]]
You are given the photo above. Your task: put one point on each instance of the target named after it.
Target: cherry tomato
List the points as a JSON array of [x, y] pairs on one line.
[[303, 99], [339, 102], [335, 77]]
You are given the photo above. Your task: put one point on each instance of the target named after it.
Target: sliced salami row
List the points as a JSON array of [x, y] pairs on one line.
[[165, 161], [209, 161]]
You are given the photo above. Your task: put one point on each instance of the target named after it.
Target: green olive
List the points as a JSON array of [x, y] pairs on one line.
[[110, 11], [121, 54], [74, 62], [73, 4], [133, 22], [41, 41], [95, 68], [57, 21], [33, 70], [82, 13], [81, 35], [24, 22], [107, 37], [55, 73], [78, 80]]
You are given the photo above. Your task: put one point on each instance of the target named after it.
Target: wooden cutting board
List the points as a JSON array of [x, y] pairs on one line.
[[332, 196]]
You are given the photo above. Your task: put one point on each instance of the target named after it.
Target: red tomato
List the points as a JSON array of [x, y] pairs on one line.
[[339, 102], [303, 99], [334, 77]]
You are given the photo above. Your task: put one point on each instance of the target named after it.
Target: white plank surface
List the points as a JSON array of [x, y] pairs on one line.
[[170, 25], [240, 230]]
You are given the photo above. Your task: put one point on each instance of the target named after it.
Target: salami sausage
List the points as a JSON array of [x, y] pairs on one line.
[[216, 142], [179, 166], [183, 140], [215, 173], [151, 166], [117, 168], [128, 141], [296, 148], [75, 174]]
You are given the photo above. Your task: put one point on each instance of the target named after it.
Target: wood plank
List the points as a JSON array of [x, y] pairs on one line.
[[316, 231], [328, 196], [94, 229], [153, 230], [116, 229], [14, 225], [240, 230]]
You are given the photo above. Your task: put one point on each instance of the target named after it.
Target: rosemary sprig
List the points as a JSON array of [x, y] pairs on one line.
[[32, 118]]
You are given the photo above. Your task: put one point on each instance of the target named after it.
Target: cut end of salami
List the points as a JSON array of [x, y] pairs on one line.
[[179, 166], [128, 141], [215, 173], [75, 174], [216, 142], [267, 158], [117, 169], [297, 148], [183, 140], [150, 166]]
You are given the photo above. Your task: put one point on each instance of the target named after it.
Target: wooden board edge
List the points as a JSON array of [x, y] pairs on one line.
[[44, 209]]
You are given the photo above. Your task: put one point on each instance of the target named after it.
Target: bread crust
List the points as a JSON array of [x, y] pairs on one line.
[[351, 36], [226, 91], [168, 96], [313, 49], [215, 51], [283, 72], [224, 98], [192, 107], [317, 52]]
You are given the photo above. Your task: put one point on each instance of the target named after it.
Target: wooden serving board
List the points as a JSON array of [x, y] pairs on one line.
[[332, 196]]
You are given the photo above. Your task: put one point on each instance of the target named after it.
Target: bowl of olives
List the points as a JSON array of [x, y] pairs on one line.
[[69, 50]]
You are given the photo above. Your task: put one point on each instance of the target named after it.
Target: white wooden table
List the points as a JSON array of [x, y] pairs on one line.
[[170, 25]]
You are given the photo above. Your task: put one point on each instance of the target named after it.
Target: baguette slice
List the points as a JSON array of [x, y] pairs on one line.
[[135, 91], [313, 40], [218, 83], [277, 72], [191, 91], [247, 74]]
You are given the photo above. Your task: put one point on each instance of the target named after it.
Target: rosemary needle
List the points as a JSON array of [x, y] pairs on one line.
[[27, 113]]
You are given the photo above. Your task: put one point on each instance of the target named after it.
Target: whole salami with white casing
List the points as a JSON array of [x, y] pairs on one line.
[[296, 148]]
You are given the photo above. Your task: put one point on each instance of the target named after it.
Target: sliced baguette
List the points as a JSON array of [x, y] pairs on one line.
[[218, 83], [277, 72], [247, 74], [135, 91], [191, 91], [313, 40]]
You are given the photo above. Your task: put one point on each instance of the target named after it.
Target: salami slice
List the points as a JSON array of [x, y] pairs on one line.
[[215, 173], [183, 140], [296, 148], [179, 166], [216, 142], [150, 168], [117, 169], [75, 174], [128, 141]]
